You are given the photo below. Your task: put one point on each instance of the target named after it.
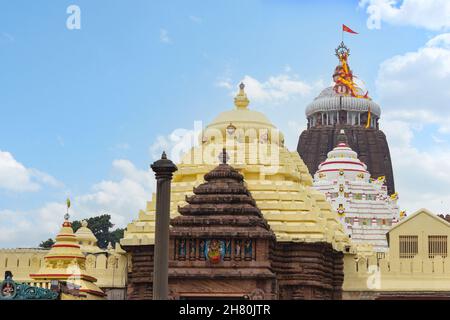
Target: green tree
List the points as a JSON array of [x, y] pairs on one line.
[[101, 228], [47, 244]]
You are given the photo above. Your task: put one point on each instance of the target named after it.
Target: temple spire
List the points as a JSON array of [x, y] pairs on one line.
[[241, 101]]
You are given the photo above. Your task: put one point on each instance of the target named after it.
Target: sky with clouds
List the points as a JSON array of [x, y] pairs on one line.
[[84, 112]]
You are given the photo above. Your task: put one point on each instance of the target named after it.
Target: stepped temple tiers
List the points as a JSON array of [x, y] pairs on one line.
[[361, 202], [65, 262], [278, 180], [108, 266], [345, 106], [221, 244]]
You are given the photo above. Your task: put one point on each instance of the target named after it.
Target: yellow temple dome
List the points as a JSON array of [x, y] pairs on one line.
[[87, 239], [277, 178], [241, 113], [65, 262]]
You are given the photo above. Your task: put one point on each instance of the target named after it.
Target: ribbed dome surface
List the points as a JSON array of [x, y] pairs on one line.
[[329, 100]]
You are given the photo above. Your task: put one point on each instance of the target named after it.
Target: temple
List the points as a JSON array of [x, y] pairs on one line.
[[65, 262], [302, 220], [364, 208], [221, 244], [75, 260], [248, 221], [346, 106]]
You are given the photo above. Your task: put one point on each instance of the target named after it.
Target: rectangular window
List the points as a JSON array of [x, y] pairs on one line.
[[408, 246], [437, 246]]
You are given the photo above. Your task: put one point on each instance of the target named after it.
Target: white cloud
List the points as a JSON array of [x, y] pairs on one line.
[[121, 197], [414, 93], [14, 176], [164, 36], [177, 143], [29, 228], [428, 14], [276, 89], [286, 90], [415, 84], [422, 178]]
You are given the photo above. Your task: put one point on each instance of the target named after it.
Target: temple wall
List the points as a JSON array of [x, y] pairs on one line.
[[110, 270], [249, 289], [308, 271], [140, 273], [369, 277]]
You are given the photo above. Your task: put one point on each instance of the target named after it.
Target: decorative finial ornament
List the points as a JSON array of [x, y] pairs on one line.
[[342, 49], [241, 101], [231, 129], [224, 156], [67, 216], [164, 156], [342, 137]]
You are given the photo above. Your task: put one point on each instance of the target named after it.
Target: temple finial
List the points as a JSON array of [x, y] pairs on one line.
[[164, 156], [241, 101], [342, 137], [224, 156], [67, 216]]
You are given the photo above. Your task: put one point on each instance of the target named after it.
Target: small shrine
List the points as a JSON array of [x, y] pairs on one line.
[[66, 263], [220, 245], [362, 203]]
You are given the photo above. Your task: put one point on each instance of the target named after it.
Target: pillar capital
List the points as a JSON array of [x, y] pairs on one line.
[[163, 168]]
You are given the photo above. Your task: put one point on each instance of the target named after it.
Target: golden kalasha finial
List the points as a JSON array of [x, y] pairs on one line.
[[241, 100], [67, 216]]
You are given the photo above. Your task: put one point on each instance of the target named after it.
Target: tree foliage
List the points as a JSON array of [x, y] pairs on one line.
[[101, 228], [47, 244]]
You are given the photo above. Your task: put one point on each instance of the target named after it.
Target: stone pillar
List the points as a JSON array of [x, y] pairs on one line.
[[164, 169]]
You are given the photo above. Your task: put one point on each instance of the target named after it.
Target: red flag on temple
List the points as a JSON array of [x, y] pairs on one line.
[[347, 29]]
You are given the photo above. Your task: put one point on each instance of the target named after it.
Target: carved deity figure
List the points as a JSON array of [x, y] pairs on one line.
[[237, 249], [248, 249], [8, 290], [214, 251], [202, 249], [182, 248]]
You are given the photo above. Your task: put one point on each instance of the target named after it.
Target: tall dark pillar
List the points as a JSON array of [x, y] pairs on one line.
[[164, 169]]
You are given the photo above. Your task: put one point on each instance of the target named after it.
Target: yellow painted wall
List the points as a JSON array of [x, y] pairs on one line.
[[369, 274], [109, 269]]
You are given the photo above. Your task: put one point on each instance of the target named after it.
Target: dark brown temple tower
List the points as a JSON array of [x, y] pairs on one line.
[[345, 106], [220, 246]]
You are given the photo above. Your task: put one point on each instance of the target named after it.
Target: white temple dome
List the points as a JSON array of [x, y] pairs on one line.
[[330, 100], [87, 239]]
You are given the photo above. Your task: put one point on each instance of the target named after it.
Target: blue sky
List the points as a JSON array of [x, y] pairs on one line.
[[83, 110]]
